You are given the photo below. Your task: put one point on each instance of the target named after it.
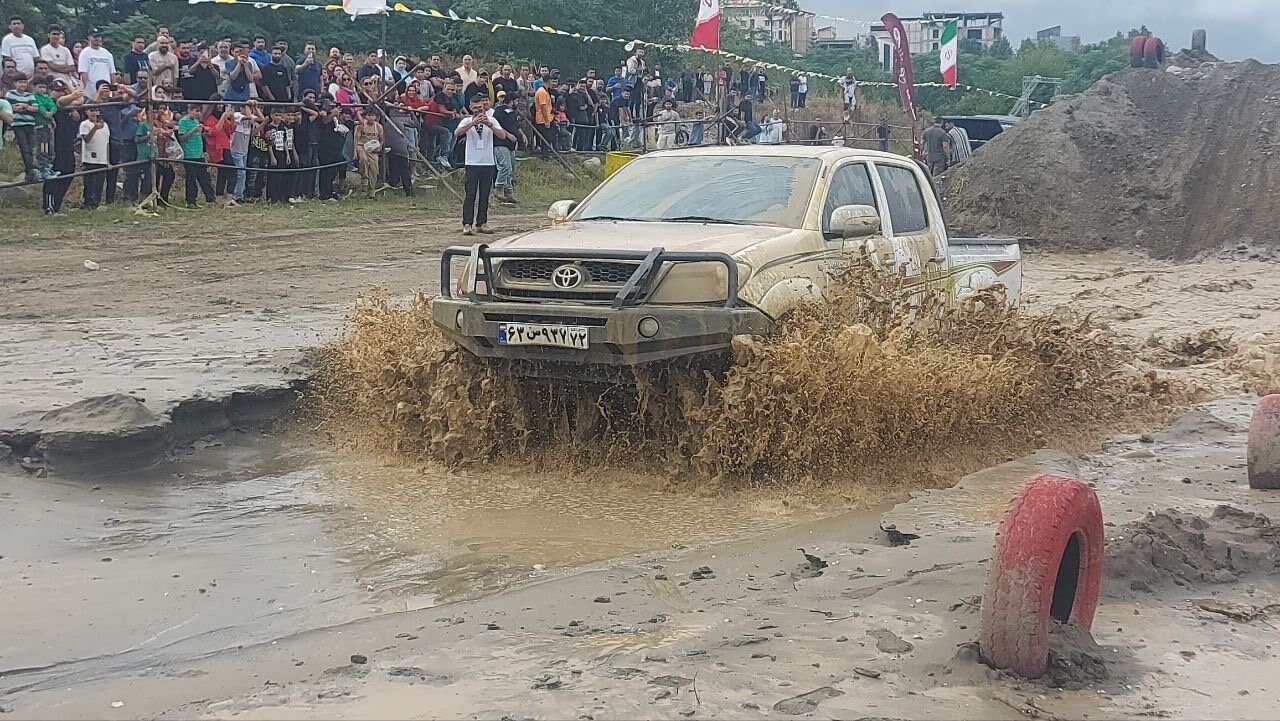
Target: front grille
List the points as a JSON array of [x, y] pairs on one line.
[[540, 270], [530, 268], [551, 294], [600, 271]]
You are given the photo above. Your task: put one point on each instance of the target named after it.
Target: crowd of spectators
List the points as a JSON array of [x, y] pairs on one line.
[[286, 126]]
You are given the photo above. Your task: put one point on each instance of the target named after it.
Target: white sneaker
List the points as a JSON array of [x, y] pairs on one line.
[[467, 230], [295, 200]]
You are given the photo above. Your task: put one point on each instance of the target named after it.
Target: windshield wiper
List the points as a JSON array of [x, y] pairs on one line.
[[702, 219], [616, 217]]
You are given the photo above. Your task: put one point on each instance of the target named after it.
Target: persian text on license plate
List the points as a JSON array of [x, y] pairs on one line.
[[559, 336]]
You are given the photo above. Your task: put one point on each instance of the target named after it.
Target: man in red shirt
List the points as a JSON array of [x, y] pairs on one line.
[[435, 136], [218, 126]]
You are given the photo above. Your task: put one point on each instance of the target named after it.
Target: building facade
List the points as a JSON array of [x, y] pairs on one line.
[[924, 33], [765, 23], [1053, 36]]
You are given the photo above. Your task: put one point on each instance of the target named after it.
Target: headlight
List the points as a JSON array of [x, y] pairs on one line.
[[696, 282], [648, 326], [457, 319]]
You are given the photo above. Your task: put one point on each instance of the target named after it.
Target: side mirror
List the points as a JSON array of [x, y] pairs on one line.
[[855, 221], [560, 210]]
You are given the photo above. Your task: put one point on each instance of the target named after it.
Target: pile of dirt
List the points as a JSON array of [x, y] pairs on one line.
[[1178, 163], [1183, 549], [846, 386]]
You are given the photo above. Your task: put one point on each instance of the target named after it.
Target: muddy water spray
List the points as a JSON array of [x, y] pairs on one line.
[[853, 387]]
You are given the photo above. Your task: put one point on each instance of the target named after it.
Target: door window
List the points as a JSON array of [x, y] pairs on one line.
[[851, 185], [906, 203]]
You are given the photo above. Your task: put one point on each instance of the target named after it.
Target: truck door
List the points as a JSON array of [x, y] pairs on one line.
[[910, 228], [850, 185]]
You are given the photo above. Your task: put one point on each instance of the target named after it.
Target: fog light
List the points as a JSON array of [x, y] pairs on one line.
[[457, 319], [648, 326]]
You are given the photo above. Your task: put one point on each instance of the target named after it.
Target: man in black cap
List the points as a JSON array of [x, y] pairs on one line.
[[96, 62]]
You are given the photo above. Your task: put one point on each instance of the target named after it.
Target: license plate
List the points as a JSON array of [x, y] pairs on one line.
[[559, 336]]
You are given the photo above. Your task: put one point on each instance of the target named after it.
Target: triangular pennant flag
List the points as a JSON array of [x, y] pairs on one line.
[[435, 13], [453, 15]]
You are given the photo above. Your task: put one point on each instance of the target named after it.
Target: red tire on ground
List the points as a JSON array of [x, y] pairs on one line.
[[1264, 445], [1138, 51], [1046, 565], [1153, 54]]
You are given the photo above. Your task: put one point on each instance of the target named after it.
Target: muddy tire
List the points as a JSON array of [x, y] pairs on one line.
[[1153, 54], [1264, 445], [1137, 51], [1046, 566]]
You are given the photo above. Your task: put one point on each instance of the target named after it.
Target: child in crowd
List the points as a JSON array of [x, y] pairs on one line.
[[25, 112], [47, 107]]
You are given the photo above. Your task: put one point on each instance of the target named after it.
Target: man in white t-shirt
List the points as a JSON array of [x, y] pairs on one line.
[[61, 62], [849, 89], [22, 48], [95, 137], [96, 62], [479, 128]]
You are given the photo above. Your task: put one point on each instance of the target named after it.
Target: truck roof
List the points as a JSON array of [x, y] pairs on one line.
[[826, 152]]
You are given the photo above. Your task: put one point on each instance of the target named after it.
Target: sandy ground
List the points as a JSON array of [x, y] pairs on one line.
[[465, 592]]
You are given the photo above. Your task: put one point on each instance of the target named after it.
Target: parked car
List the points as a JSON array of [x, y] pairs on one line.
[[982, 128]]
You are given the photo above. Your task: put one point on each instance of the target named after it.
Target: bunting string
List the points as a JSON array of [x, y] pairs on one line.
[[629, 44]]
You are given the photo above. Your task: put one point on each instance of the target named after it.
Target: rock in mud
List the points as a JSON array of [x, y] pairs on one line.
[[748, 641], [670, 681], [1075, 660], [702, 573], [546, 682], [806, 703], [359, 659], [889, 642], [1176, 548]]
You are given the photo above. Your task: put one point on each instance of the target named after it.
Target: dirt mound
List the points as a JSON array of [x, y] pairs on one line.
[[847, 387], [1178, 163], [1187, 550]]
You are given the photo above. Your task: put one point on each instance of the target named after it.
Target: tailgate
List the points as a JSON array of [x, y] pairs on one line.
[[979, 262]]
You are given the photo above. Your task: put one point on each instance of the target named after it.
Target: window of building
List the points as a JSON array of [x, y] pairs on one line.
[[935, 46], [937, 33], [975, 34]]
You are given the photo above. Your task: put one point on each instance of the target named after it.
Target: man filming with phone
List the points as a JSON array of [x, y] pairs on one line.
[[479, 128]]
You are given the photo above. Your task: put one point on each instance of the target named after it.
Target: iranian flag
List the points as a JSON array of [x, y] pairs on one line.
[[706, 31], [949, 51]]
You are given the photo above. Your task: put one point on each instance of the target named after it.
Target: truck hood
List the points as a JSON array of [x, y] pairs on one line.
[[621, 235]]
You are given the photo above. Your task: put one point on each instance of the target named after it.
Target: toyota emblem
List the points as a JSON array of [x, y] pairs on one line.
[[567, 277]]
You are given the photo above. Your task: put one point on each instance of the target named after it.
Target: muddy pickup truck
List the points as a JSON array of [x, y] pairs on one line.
[[681, 250]]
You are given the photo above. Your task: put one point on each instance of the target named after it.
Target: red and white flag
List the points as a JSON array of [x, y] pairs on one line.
[[706, 32]]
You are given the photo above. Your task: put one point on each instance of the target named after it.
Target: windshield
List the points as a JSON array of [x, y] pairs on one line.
[[756, 190]]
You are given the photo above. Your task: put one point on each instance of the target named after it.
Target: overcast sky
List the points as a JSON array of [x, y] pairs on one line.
[[1238, 29]]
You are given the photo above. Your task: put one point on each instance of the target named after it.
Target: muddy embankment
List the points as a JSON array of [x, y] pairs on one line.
[[1178, 163], [88, 397]]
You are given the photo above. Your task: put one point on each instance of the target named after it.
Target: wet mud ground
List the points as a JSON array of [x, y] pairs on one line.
[[724, 621], [240, 578]]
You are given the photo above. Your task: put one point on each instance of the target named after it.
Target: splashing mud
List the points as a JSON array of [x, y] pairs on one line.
[[856, 386]]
